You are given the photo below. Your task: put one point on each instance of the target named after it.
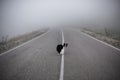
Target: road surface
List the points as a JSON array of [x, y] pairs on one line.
[[84, 59]]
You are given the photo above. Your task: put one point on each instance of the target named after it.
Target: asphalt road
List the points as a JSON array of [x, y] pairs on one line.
[[84, 59], [37, 60]]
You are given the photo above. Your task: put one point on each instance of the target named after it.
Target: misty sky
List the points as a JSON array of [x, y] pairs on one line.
[[20, 16]]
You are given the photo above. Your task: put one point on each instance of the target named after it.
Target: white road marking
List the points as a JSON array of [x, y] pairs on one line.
[[62, 37], [62, 60], [23, 44], [101, 41]]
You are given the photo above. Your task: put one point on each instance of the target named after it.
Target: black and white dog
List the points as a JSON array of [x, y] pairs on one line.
[[60, 47]]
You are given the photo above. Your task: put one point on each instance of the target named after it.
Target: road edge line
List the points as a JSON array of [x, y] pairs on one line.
[[101, 41], [12, 49]]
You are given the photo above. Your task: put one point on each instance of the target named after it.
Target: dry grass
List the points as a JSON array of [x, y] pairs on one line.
[[104, 38], [6, 45]]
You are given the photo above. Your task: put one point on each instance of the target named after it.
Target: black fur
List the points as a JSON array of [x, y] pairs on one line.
[[60, 47]]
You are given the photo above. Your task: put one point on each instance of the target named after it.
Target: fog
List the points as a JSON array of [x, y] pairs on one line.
[[21, 16]]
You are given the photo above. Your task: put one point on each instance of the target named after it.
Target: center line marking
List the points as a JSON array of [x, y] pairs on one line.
[[62, 60]]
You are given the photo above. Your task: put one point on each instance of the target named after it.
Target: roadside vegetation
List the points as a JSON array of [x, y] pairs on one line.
[[6, 44], [110, 36]]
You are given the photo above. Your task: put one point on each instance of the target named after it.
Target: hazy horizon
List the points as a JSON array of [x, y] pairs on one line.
[[20, 16]]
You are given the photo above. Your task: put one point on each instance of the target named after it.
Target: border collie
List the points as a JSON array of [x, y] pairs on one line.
[[60, 47]]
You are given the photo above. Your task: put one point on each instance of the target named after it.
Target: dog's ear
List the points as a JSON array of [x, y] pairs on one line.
[[66, 44]]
